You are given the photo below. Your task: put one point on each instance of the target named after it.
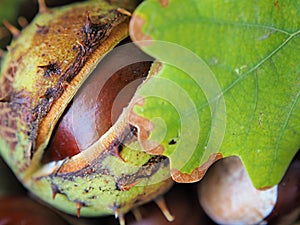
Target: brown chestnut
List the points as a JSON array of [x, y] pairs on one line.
[[99, 102], [20, 209]]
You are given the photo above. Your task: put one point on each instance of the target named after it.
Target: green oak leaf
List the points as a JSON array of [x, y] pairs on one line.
[[229, 84]]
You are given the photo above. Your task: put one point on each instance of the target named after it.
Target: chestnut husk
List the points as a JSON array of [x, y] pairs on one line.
[[45, 68]]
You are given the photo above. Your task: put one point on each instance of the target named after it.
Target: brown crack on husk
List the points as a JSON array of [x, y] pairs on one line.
[[147, 170], [51, 69], [6, 87], [8, 125], [198, 173], [14, 119]]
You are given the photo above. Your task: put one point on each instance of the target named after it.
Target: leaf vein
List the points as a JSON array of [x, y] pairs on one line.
[[261, 62], [285, 124]]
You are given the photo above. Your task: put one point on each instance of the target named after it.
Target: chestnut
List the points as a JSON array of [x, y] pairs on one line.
[[99, 102], [228, 196]]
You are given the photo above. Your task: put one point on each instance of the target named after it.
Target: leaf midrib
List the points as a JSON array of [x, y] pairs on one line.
[[252, 69]]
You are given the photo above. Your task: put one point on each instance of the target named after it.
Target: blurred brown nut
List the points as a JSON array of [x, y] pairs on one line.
[[21, 210]]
